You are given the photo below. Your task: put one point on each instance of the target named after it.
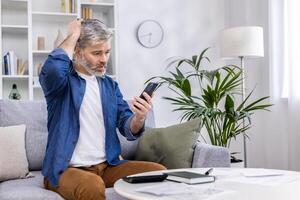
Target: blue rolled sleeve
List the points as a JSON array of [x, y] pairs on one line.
[[128, 133], [53, 76]]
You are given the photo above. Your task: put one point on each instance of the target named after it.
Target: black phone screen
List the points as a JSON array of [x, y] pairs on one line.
[[150, 88]]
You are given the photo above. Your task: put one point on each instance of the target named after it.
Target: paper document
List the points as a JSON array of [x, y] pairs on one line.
[[267, 180], [262, 176], [180, 190], [261, 172]]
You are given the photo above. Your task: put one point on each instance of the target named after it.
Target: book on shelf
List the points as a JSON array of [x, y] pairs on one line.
[[72, 6], [86, 13], [22, 67], [10, 63], [90, 13], [13, 65], [6, 64], [63, 6], [82, 12], [67, 6], [189, 177]]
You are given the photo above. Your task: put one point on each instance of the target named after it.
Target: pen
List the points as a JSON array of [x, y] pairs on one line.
[[208, 171]]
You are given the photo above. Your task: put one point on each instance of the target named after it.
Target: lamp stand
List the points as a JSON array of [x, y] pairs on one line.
[[243, 98]]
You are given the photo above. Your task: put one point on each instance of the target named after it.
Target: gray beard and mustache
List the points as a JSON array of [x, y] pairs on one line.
[[89, 67]]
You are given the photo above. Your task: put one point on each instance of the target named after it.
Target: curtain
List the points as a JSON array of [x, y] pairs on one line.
[[283, 127]]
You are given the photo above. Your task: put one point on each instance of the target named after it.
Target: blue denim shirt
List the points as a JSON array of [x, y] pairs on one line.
[[64, 90]]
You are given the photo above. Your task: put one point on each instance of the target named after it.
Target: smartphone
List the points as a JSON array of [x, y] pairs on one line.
[[150, 88], [145, 178]]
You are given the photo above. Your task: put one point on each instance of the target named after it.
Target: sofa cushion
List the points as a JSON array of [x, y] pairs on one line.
[[27, 189], [33, 189], [13, 159], [172, 146], [34, 115]]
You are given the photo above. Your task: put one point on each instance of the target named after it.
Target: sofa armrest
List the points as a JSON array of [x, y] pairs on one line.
[[206, 155]]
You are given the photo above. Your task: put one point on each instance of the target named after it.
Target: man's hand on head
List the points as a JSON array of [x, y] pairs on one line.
[[69, 44], [74, 28]]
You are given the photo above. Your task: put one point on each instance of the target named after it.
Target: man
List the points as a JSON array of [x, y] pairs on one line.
[[84, 109]]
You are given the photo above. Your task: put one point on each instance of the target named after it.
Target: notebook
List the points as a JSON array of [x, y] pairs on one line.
[[189, 177]]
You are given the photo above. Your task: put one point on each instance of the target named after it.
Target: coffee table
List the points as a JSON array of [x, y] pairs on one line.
[[234, 184]]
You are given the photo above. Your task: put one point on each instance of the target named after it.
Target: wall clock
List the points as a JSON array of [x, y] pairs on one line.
[[150, 33]]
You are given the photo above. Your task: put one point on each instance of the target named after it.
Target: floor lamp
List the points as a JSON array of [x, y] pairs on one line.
[[241, 43]]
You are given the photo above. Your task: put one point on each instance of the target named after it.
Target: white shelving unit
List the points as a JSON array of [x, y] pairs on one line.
[[23, 21]]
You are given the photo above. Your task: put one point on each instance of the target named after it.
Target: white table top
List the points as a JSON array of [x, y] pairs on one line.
[[231, 183]]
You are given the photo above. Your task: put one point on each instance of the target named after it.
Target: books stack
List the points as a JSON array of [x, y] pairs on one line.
[[86, 13], [68, 6], [189, 177], [13, 65]]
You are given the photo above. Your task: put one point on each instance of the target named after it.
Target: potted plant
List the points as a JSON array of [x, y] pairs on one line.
[[216, 102]]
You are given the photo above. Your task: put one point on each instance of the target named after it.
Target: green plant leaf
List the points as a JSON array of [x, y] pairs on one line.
[[186, 87], [214, 99], [229, 103], [189, 62], [197, 66], [194, 59]]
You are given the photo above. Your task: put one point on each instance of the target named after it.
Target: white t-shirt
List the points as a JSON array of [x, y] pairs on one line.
[[90, 148]]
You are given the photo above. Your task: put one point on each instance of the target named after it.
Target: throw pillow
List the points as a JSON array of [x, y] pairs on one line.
[[172, 146], [13, 160]]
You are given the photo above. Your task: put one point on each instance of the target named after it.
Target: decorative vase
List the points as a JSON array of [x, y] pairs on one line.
[[59, 39], [41, 43], [14, 93]]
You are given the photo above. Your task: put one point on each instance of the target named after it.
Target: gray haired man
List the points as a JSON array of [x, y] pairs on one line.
[[84, 109]]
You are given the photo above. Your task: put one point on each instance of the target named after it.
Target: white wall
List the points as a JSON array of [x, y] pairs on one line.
[[189, 27]]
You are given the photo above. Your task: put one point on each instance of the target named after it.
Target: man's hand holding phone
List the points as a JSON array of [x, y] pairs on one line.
[[141, 106]]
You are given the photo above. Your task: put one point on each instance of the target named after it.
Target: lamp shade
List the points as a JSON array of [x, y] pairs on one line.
[[244, 41]]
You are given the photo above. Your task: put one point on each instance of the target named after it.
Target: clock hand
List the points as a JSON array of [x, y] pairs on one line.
[[145, 35], [150, 36]]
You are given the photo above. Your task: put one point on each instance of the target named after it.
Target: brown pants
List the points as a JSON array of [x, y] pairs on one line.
[[89, 183]]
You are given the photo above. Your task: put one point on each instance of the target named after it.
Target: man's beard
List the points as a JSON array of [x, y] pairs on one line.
[[89, 67]]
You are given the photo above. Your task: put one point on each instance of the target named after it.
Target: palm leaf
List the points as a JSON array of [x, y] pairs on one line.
[[201, 56], [215, 99]]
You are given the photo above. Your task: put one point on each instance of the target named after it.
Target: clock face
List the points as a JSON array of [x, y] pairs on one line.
[[150, 33]]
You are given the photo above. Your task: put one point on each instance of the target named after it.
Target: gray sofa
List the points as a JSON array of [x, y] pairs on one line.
[[33, 114]]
